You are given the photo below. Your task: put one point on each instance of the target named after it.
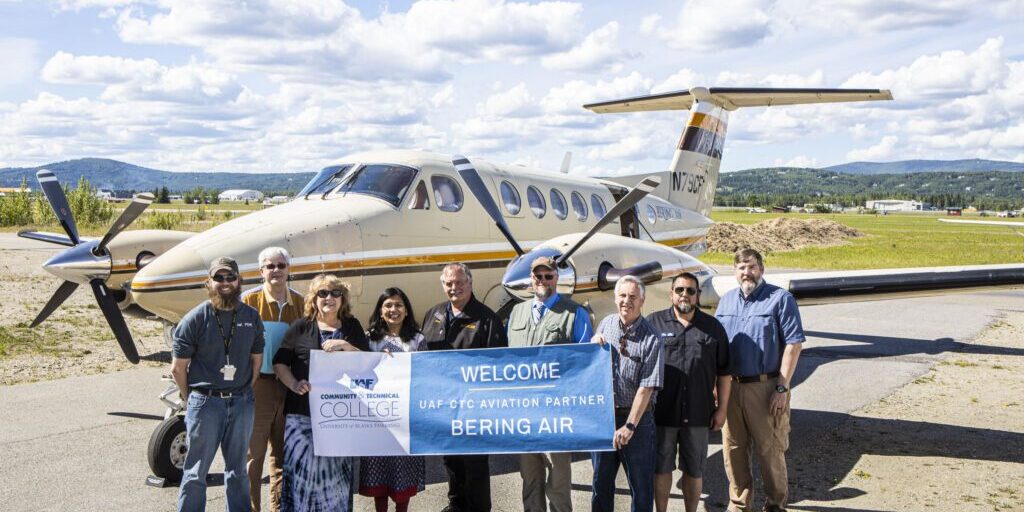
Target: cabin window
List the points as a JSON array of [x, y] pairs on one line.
[[447, 193], [652, 216], [420, 197], [597, 205], [558, 205], [325, 180], [579, 206], [536, 200], [384, 181], [510, 196]]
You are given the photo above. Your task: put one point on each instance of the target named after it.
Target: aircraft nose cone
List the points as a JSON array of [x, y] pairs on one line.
[[517, 281], [78, 264]]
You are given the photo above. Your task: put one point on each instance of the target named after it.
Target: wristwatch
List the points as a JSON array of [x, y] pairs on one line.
[[631, 427], [780, 388]]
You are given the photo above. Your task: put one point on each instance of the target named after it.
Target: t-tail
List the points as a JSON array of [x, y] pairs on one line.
[[692, 177]]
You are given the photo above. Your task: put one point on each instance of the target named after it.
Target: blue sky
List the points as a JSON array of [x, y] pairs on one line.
[[293, 85]]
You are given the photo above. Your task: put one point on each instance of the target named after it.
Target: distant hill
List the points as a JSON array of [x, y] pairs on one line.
[[915, 166], [115, 175]]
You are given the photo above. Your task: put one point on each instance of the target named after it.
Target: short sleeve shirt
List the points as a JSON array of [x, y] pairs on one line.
[[642, 367], [695, 356], [198, 337], [759, 325]]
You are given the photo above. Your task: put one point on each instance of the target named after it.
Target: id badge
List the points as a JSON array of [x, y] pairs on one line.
[[229, 372]]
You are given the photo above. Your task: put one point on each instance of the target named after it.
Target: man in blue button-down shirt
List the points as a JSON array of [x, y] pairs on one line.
[[765, 337]]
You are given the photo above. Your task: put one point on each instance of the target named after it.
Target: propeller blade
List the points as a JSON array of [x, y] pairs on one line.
[[476, 186], [646, 186], [58, 298], [42, 236], [138, 205], [59, 202], [108, 304]]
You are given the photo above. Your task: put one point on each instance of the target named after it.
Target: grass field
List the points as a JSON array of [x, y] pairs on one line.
[[892, 241]]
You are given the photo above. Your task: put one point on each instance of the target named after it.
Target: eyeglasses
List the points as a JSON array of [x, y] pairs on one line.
[[333, 293], [687, 290], [544, 277], [220, 278], [279, 266]]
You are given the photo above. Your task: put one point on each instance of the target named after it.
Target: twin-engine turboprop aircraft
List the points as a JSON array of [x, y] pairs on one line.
[[387, 218]]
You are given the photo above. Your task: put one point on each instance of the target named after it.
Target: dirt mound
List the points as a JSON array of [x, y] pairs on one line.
[[778, 234]]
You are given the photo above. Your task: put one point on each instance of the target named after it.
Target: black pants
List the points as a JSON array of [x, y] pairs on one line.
[[469, 482]]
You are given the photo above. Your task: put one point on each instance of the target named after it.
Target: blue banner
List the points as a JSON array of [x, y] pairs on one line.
[[553, 398]]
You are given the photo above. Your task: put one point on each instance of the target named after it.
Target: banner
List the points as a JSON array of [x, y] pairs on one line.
[[552, 398]]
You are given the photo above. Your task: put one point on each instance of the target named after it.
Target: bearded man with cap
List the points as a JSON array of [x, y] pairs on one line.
[[548, 319], [217, 352]]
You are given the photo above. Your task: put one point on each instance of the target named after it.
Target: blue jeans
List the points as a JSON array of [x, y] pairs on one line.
[[637, 457], [213, 422]]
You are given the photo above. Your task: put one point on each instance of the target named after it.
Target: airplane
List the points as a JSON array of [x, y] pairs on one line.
[[395, 217]]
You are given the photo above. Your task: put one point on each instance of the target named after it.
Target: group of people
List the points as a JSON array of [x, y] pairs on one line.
[[679, 374]]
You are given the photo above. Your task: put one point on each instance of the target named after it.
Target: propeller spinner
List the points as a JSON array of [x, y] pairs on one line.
[[517, 274], [87, 261]]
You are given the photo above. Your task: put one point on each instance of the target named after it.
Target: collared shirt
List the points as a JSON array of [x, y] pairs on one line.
[[643, 368], [198, 338], [695, 356], [476, 326], [268, 307], [758, 326], [581, 329]]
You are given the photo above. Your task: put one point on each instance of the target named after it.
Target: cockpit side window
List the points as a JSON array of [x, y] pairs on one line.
[[325, 180], [420, 197], [447, 193], [386, 181]]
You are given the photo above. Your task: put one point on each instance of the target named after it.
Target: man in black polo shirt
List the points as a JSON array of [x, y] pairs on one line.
[[463, 322], [696, 360]]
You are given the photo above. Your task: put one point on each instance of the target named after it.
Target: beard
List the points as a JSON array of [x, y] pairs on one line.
[[225, 302], [748, 286], [685, 308]]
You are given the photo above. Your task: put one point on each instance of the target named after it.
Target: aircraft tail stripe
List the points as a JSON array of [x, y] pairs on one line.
[[699, 140]]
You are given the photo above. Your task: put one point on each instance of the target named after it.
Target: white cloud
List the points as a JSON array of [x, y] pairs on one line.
[[883, 151], [684, 79], [569, 97], [17, 60], [65, 68], [515, 102], [712, 25], [600, 50], [798, 161]]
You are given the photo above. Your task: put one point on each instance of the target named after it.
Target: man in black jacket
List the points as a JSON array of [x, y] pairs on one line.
[[463, 323]]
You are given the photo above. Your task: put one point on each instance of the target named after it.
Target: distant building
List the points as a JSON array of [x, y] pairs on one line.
[[956, 212], [894, 205], [241, 195], [104, 194]]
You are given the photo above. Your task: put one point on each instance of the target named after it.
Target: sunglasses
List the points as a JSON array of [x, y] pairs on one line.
[[685, 290], [279, 266], [333, 293], [220, 278], [544, 277]]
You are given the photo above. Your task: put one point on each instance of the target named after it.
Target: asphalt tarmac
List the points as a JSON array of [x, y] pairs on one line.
[[80, 443]]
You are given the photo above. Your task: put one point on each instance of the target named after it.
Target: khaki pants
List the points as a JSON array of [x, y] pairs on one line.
[[268, 426], [750, 426], [547, 477]]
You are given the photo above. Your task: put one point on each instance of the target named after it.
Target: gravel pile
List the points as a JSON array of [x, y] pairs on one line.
[[778, 234]]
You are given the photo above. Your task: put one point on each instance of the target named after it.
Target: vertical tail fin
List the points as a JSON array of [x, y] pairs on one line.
[[692, 176]]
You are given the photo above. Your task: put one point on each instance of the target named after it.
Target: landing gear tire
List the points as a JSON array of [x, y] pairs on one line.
[[167, 448]]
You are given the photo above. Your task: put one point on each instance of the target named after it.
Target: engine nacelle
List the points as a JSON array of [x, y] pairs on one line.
[[131, 250]]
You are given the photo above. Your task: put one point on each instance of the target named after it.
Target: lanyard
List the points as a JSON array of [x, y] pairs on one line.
[[231, 334]]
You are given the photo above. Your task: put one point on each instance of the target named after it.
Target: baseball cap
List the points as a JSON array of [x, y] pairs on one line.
[[223, 263], [543, 261]]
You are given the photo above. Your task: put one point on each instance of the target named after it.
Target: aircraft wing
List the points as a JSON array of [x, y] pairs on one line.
[[861, 285], [732, 98]]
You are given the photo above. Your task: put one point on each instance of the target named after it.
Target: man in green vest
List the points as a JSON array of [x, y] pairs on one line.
[[546, 320]]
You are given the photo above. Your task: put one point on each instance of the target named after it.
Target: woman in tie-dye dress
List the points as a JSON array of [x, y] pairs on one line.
[[392, 329]]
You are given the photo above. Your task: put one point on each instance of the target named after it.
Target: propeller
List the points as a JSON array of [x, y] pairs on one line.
[[85, 261], [476, 186], [517, 274]]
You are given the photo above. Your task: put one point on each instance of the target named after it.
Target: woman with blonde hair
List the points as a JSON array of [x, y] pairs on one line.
[[311, 482]]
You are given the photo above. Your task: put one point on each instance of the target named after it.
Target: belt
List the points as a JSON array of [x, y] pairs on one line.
[[218, 394], [744, 379], [268, 376]]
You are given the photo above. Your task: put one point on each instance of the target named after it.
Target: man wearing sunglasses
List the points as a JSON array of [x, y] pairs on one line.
[[765, 338], [637, 373], [696, 363], [217, 352], [547, 319], [278, 306]]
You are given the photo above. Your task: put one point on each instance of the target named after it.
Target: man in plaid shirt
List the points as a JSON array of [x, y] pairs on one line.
[[637, 371]]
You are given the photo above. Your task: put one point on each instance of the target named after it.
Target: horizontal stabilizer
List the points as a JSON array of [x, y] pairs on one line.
[[731, 98]]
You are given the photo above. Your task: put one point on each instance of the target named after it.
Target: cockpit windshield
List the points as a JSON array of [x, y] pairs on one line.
[[386, 181], [325, 180]]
